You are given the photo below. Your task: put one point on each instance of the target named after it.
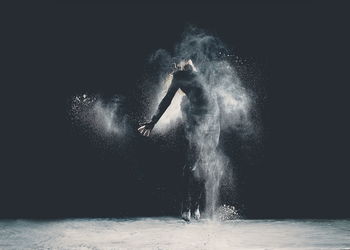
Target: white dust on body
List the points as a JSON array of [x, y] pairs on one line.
[[230, 110]]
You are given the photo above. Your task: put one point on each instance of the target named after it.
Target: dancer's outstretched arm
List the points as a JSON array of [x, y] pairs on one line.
[[147, 127]]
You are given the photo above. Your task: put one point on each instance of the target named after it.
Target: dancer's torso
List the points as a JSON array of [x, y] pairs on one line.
[[198, 96]]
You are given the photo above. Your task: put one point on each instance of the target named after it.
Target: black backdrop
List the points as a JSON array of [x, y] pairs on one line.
[[295, 61]]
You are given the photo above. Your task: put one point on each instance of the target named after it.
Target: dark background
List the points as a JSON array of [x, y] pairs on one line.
[[295, 61]]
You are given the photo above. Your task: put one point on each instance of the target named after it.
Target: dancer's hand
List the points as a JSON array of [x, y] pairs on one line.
[[146, 128]]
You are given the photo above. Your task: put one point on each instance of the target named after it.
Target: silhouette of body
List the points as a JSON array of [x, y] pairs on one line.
[[198, 109]]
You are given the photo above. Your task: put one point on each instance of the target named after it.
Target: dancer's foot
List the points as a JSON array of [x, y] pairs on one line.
[[186, 215], [197, 214]]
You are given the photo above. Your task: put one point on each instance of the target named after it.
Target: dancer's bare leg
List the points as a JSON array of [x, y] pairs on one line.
[[186, 195]]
